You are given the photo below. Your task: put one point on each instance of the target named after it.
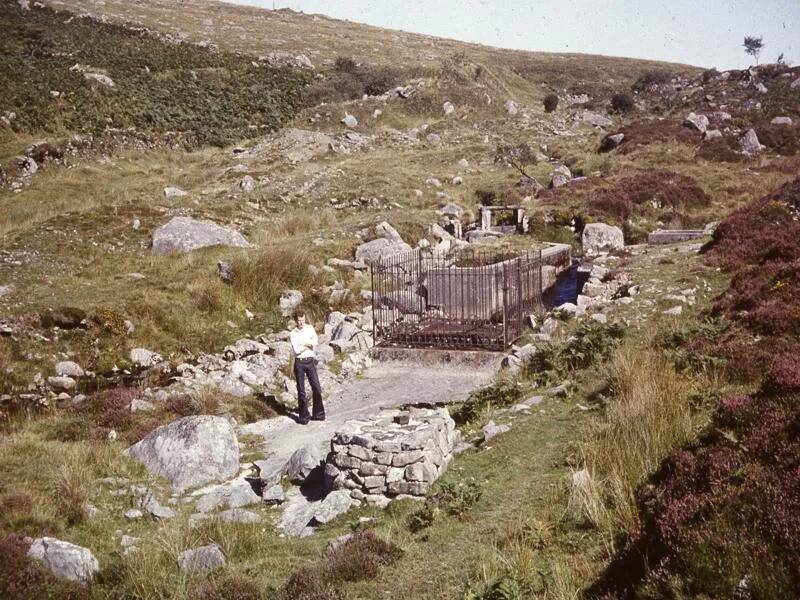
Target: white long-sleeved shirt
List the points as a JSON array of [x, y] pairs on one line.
[[303, 341]]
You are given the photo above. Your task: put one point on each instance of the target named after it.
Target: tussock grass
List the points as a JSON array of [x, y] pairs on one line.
[[648, 415]]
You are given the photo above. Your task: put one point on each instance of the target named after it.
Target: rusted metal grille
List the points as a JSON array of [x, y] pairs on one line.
[[469, 299]]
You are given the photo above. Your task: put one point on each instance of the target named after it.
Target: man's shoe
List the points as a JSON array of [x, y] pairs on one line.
[[316, 418], [303, 421]]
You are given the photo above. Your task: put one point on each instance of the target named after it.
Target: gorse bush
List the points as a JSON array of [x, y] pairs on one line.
[[212, 98], [550, 103], [591, 343]]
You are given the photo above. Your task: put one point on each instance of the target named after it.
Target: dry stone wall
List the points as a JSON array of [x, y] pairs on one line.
[[395, 454]]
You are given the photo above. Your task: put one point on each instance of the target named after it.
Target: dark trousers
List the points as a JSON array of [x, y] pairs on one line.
[[307, 367]]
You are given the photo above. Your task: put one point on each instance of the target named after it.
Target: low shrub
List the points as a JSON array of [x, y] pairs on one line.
[[710, 74], [350, 81], [651, 131], [504, 391], [359, 558], [725, 507], [457, 497], [550, 103], [622, 103], [647, 194], [724, 149], [211, 97], [650, 79], [345, 64], [781, 139], [591, 343], [230, 586]]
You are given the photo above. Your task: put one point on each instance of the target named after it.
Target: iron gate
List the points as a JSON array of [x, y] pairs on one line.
[[466, 299]]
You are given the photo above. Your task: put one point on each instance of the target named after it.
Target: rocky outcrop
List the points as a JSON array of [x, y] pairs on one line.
[[70, 561], [184, 234], [190, 452]]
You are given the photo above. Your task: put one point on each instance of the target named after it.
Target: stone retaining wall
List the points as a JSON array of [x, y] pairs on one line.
[[673, 236], [396, 453]]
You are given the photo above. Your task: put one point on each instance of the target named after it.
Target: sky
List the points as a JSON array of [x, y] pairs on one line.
[[705, 33]]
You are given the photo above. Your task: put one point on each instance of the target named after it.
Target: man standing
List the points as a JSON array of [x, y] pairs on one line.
[[303, 339]]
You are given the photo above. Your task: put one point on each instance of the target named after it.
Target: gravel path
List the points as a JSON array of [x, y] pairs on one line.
[[384, 385]]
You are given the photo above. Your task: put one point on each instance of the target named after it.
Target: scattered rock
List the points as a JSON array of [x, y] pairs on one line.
[[175, 192], [190, 452], [695, 121], [303, 462], [781, 121], [225, 271], [595, 119], [750, 144], [144, 359], [491, 430], [184, 234], [100, 78], [61, 384], [350, 121], [239, 515], [68, 368], [289, 301], [202, 559], [512, 108], [334, 504], [139, 405], [273, 494], [235, 494], [70, 561], [248, 184], [448, 108]]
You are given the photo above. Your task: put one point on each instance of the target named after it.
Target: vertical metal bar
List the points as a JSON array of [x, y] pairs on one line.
[[374, 312]]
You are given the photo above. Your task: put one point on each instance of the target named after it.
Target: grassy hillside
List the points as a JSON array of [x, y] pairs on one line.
[[256, 31], [507, 521], [52, 62]]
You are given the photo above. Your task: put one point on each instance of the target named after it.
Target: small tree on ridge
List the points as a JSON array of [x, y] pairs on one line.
[[753, 45]]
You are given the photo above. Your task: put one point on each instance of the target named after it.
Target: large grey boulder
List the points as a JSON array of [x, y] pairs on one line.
[[184, 234], [190, 452], [389, 243], [70, 561], [202, 559], [598, 237]]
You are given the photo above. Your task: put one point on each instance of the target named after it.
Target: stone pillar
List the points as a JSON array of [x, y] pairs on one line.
[[486, 219]]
